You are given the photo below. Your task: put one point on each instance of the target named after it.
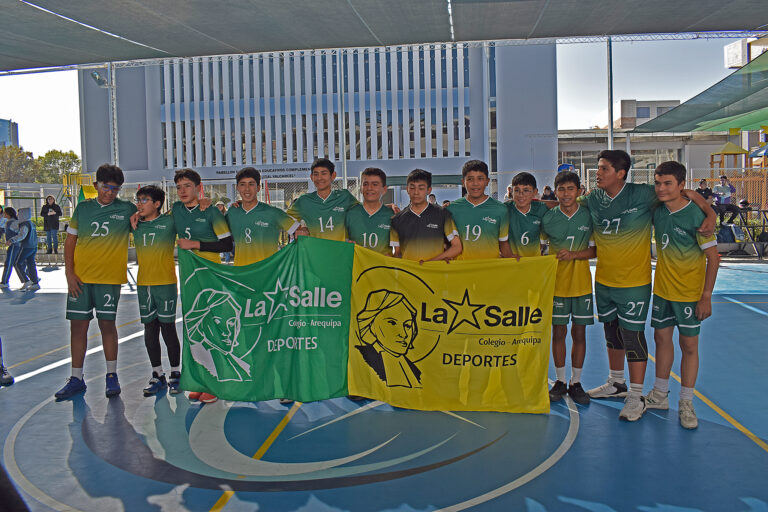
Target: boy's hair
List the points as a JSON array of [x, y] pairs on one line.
[[323, 162], [375, 171], [524, 178], [702, 180], [10, 212], [567, 177], [723, 177], [189, 174], [474, 165], [248, 172], [154, 192], [671, 168], [619, 160], [109, 173], [419, 175]]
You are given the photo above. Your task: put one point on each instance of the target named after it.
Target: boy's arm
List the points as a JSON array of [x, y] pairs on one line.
[[704, 306], [73, 281], [506, 250], [450, 253], [586, 254], [707, 227], [394, 242]]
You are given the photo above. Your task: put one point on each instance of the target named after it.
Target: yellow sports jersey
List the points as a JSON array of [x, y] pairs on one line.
[[622, 232], [680, 261], [481, 227], [155, 240], [572, 233], [203, 226], [101, 253]]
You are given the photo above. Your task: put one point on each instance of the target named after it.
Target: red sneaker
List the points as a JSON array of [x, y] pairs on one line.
[[195, 395], [208, 398]]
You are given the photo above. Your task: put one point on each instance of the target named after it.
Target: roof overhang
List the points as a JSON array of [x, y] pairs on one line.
[[48, 33]]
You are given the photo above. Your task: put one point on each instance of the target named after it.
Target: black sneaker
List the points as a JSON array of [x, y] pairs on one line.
[[558, 391], [6, 379], [173, 383], [577, 394], [156, 384]]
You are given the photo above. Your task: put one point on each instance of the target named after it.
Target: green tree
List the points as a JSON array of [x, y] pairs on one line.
[[54, 164], [16, 165]]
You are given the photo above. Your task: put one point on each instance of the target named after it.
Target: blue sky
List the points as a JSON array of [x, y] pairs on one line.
[[46, 104]]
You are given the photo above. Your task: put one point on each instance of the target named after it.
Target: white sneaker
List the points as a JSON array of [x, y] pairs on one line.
[[688, 417], [25, 286], [634, 407], [609, 390], [656, 399], [33, 287]]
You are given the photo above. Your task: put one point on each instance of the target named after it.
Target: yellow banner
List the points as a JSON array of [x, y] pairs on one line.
[[469, 335]]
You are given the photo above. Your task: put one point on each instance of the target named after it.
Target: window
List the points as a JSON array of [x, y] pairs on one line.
[[643, 112]]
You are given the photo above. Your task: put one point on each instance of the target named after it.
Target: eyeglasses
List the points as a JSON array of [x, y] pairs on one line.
[[109, 188], [144, 200]]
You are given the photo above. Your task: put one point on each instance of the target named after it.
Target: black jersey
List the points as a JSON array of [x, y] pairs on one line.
[[422, 236]]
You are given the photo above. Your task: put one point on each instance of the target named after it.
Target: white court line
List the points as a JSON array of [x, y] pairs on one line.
[[747, 306], [62, 362]]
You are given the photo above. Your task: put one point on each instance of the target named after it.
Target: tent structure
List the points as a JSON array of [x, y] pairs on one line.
[[718, 158], [45, 33]]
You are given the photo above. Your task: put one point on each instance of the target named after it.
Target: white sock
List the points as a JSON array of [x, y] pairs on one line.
[[575, 375], [617, 376], [158, 370], [635, 390], [77, 372], [686, 393], [560, 372], [661, 385], [112, 366], [176, 369]]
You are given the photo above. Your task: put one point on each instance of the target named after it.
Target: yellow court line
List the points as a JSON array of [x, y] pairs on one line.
[[92, 336], [227, 495], [730, 419]]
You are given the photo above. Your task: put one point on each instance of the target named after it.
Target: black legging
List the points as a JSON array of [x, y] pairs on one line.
[[152, 332], [721, 209]]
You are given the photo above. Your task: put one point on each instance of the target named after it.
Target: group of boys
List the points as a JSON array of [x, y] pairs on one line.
[[613, 222]]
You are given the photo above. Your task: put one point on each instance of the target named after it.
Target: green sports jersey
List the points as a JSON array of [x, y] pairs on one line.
[[155, 240], [572, 233], [481, 227], [525, 228], [371, 231], [256, 232], [202, 225], [622, 232], [324, 217], [680, 261], [103, 231]]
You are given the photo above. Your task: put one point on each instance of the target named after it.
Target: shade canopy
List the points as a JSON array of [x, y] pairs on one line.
[[729, 148], [43, 33]]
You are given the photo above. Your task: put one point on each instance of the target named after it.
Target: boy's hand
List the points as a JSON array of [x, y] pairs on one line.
[[204, 203], [394, 207], [235, 204], [302, 231], [704, 307], [184, 243], [707, 227], [73, 283], [134, 220], [564, 255]]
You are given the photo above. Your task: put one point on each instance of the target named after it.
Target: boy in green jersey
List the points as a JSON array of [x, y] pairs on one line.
[[367, 224], [621, 220], [482, 222], [423, 231], [155, 238], [256, 226], [203, 231], [686, 269], [96, 259], [568, 227], [322, 212], [525, 216]]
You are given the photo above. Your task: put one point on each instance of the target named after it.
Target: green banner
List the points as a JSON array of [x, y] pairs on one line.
[[275, 329]]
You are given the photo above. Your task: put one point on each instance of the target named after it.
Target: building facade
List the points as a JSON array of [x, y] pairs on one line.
[[427, 106], [9, 133], [634, 112]]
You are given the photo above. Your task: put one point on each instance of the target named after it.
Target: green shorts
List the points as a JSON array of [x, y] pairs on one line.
[[580, 309], [157, 301], [667, 313], [102, 297], [629, 305]]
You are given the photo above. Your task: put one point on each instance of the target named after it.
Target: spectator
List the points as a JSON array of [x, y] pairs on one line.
[[433, 199], [50, 214], [724, 192], [508, 195], [12, 254], [446, 203], [705, 191], [27, 240], [548, 195]]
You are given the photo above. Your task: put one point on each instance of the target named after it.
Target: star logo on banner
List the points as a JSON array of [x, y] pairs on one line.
[[276, 297], [463, 312]]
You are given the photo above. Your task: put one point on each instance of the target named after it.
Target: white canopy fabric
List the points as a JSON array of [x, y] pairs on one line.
[[45, 33]]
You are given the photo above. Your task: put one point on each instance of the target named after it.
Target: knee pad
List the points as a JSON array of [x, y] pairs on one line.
[[635, 345], [612, 338]]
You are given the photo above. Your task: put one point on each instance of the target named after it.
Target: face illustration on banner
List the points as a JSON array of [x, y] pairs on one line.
[[213, 328], [387, 328]]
